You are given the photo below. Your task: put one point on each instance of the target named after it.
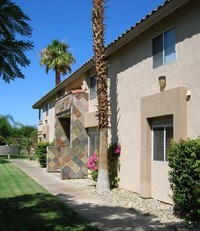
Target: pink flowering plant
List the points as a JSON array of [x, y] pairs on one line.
[[93, 162], [118, 150], [114, 151]]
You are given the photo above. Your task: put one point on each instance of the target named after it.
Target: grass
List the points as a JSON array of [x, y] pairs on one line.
[[26, 206]]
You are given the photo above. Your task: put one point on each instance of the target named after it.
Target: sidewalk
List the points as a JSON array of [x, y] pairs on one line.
[[103, 215]]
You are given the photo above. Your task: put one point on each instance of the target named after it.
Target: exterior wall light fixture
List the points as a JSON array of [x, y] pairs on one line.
[[188, 95], [162, 82]]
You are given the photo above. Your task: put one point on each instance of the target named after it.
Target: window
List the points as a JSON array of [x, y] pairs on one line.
[[47, 109], [93, 87], [164, 46], [40, 114], [162, 137], [93, 142]]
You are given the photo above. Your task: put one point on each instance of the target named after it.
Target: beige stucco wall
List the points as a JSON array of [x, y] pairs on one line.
[[90, 119], [47, 124], [133, 78], [92, 102], [51, 121], [159, 108]]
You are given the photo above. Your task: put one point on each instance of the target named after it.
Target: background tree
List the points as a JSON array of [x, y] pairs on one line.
[[57, 57], [12, 132], [5, 128], [25, 136], [102, 91], [13, 22]]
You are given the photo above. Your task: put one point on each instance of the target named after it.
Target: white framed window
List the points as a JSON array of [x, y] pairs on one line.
[[164, 48], [93, 142], [93, 87], [162, 137]]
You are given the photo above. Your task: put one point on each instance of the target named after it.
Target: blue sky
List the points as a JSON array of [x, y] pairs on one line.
[[68, 20]]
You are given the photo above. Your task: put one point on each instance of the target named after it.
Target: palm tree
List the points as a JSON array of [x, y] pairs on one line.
[[13, 22], [57, 57], [102, 91]]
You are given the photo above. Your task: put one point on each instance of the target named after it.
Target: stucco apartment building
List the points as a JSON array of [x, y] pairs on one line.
[[154, 72]]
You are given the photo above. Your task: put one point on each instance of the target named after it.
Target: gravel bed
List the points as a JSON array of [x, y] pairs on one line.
[[150, 208], [155, 210]]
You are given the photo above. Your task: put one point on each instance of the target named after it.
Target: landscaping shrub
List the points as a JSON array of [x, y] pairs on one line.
[[184, 161], [41, 152], [114, 151]]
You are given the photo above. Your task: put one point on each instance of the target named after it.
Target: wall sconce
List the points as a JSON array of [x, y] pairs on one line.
[[162, 82], [188, 95]]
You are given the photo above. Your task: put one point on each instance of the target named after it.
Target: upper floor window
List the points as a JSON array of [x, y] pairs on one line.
[[47, 109], [40, 114], [164, 48], [93, 87]]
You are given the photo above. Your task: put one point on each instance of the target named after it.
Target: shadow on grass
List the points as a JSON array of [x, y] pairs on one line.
[[3, 160], [41, 212]]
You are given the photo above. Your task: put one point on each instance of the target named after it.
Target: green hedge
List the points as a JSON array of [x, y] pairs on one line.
[[41, 152], [184, 161]]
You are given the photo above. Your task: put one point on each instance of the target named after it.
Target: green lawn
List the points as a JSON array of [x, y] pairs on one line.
[[26, 206]]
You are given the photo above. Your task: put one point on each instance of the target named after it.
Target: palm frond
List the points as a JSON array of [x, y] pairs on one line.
[[13, 22], [57, 57]]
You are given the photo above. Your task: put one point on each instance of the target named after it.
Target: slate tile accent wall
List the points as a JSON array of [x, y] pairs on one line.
[[69, 155], [74, 158], [53, 159]]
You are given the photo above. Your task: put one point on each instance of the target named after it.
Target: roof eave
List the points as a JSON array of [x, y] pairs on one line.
[[146, 23], [151, 19], [68, 80]]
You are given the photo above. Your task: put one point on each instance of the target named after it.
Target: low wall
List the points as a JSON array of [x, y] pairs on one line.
[[8, 150]]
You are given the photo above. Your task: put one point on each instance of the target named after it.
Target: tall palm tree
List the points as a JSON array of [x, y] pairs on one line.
[[13, 22], [101, 65], [57, 57]]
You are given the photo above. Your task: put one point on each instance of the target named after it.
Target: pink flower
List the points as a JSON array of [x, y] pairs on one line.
[[93, 162], [118, 150]]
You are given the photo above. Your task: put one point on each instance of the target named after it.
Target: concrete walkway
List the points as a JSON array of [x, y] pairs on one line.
[[100, 213]]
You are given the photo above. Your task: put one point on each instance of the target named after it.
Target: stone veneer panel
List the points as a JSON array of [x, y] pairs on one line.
[[74, 158], [73, 163], [61, 138], [53, 159], [69, 155]]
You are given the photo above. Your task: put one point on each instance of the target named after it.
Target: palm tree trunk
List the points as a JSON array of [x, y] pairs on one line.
[[57, 79], [102, 92], [103, 184]]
